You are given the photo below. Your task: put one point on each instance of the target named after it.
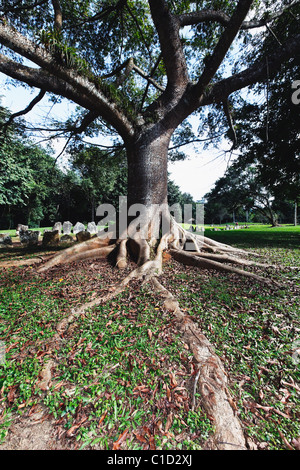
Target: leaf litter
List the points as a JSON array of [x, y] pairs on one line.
[[121, 378]]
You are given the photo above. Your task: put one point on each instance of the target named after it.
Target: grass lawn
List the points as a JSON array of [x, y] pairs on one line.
[[286, 236], [121, 377]]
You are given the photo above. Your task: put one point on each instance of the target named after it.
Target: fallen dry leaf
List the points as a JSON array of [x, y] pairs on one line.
[[120, 439], [159, 426], [140, 438], [102, 418], [72, 430], [173, 380], [169, 422]]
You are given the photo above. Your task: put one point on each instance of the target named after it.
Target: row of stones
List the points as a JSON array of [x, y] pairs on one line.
[[53, 236]]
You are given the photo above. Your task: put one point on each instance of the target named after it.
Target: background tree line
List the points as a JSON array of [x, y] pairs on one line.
[[36, 192], [262, 183]]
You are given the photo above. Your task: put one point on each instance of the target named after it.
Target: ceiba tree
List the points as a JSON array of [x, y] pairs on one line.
[[128, 64], [74, 46]]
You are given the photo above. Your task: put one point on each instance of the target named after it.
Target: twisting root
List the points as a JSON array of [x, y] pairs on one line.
[[80, 251], [144, 272], [139, 248], [231, 259], [211, 378], [92, 254], [223, 248], [207, 254], [203, 262]]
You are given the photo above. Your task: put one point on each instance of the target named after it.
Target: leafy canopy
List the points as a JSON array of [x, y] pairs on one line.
[[119, 45]]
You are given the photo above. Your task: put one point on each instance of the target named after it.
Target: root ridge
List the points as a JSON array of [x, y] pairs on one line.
[[211, 379]]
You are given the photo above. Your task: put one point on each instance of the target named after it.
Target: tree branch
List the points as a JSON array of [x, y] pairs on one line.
[[167, 27], [15, 41], [148, 78], [138, 28], [88, 119], [224, 44], [230, 123], [38, 78], [31, 105], [197, 17], [101, 14], [57, 15], [59, 79], [15, 8], [192, 141], [129, 65], [193, 97], [256, 73]]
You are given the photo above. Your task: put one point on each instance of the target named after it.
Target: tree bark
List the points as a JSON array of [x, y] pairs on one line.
[[147, 168], [148, 176]]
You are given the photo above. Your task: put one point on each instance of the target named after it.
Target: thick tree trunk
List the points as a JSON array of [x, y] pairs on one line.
[[147, 168], [148, 178]]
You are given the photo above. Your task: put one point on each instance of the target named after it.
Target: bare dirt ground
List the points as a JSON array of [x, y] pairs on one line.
[[36, 431]]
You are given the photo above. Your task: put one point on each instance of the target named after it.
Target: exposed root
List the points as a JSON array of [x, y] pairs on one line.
[[195, 389], [23, 262], [78, 252], [145, 272], [202, 262], [139, 248], [223, 248], [207, 254], [181, 236], [92, 254], [121, 261], [219, 245], [231, 259], [210, 379]]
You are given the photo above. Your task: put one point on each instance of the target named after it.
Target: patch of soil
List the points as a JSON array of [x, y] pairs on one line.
[[34, 431]]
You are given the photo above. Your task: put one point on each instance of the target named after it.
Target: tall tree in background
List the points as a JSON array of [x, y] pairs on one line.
[[25, 193], [266, 134], [142, 68], [242, 188], [102, 174], [267, 131]]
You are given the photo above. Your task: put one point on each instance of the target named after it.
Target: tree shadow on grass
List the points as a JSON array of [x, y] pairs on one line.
[[275, 237], [18, 251]]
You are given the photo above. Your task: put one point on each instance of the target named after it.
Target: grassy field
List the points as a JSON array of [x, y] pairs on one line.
[[286, 236], [121, 377]]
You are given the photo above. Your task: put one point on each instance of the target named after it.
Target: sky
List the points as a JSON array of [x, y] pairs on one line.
[[196, 175]]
